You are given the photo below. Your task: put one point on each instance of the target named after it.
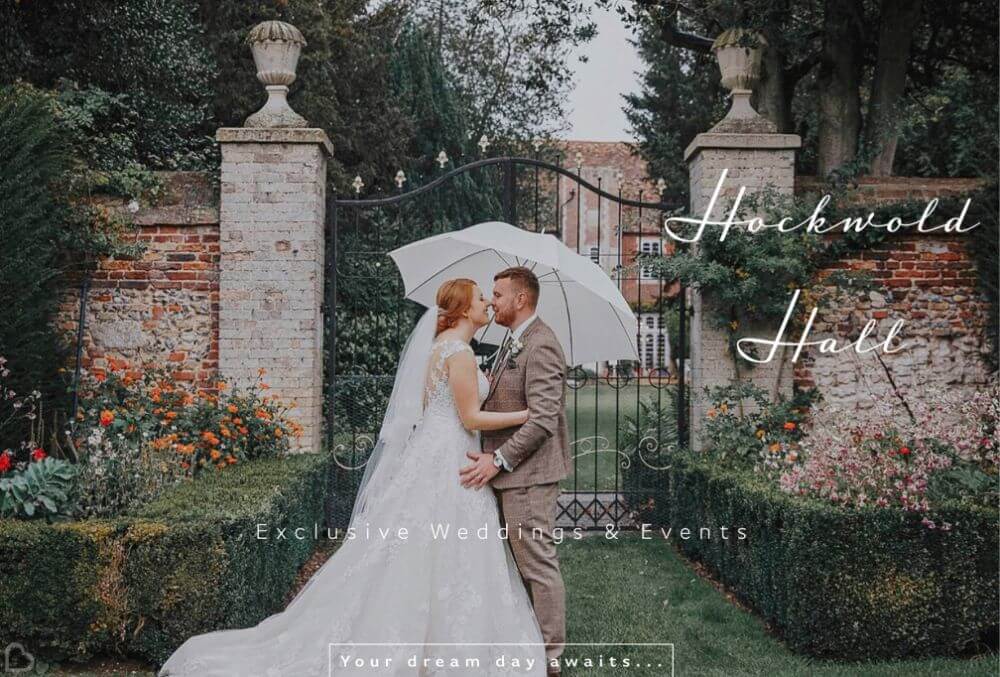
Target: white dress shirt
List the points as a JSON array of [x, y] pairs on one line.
[[515, 334]]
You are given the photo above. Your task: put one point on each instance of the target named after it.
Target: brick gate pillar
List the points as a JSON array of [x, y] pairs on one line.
[[272, 255], [746, 145]]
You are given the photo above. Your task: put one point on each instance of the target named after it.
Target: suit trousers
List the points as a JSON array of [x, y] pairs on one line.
[[530, 516]]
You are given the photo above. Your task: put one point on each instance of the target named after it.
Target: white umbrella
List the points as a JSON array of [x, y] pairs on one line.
[[578, 300]]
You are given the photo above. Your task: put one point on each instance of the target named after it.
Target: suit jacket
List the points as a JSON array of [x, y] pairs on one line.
[[538, 451]]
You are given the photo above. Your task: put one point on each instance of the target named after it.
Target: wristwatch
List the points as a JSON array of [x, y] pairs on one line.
[[496, 460]]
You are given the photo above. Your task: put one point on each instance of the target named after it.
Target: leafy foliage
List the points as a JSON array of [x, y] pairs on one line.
[[650, 440], [755, 435], [136, 76], [680, 97], [33, 162], [42, 489], [509, 60]]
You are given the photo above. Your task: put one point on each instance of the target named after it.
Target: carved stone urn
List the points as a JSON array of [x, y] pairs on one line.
[[739, 54], [276, 46]]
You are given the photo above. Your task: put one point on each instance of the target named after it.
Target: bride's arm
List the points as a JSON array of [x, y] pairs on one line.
[[465, 387]]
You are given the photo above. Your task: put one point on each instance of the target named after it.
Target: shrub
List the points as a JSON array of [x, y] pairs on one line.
[[650, 441], [187, 563], [941, 446], [850, 584], [33, 162], [757, 434], [138, 432], [203, 429], [31, 483]]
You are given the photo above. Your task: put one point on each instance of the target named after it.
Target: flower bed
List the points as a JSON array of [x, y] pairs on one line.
[[837, 582], [186, 563]]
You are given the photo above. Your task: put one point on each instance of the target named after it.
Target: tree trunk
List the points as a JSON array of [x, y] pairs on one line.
[[839, 85], [774, 101], [898, 21]]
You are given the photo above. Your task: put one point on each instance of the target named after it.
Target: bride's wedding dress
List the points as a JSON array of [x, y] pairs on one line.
[[443, 588]]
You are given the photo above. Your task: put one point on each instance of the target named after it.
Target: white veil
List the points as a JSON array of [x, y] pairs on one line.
[[405, 410]]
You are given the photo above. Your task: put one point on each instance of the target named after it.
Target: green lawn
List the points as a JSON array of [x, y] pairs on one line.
[[591, 412], [637, 591]]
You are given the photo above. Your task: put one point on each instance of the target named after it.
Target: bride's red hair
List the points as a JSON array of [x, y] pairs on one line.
[[454, 297]]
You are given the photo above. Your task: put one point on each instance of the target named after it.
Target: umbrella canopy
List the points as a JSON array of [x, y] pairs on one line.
[[578, 300]]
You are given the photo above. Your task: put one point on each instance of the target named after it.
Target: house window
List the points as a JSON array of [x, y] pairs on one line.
[[648, 353], [648, 247]]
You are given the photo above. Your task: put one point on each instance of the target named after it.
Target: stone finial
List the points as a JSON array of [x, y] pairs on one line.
[[739, 54], [276, 46]]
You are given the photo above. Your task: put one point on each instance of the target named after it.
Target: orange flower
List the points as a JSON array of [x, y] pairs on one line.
[[221, 385], [215, 454], [107, 416], [711, 413], [185, 449], [264, 386], [278, 432], [185, 465], [225, 431], [232, 409], [230, 460], [262, 415], [209, 437], [775, 448], [237, 421], [100, 377], [171, 415], [243, 430], [789, 426]]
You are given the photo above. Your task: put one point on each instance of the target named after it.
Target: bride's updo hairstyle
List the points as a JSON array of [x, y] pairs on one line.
[[454, 297]]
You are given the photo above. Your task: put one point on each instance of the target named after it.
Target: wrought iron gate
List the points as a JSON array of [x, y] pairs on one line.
[[625, 418]]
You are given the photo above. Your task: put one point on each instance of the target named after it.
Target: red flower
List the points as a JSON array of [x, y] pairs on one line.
[[38, 454], [107, 417], [5, 461], [905, 451], [789, 426]]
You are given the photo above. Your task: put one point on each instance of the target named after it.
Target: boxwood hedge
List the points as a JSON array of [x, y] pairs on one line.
[[188, 563], [837, 583]]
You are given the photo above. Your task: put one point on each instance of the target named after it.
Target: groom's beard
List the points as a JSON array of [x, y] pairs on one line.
[[502, 318]]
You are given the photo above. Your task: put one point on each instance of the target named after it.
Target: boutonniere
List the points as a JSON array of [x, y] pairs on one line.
[[515, 349]]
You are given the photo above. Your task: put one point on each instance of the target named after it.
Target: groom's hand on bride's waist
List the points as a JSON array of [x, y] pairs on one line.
[[477, 474]]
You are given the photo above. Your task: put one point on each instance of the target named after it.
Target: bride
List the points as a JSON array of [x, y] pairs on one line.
[[427, 585]]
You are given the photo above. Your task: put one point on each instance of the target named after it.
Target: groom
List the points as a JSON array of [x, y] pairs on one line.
[[525, 464]]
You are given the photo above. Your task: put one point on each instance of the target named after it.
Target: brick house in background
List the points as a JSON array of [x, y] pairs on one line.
[[612, 236]]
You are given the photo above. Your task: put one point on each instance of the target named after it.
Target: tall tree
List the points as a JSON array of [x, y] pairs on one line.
[[855, 77], [674, 80], [509, 59]]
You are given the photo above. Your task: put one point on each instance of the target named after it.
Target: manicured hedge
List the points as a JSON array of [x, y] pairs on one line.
[[188, 563], [844, 584]]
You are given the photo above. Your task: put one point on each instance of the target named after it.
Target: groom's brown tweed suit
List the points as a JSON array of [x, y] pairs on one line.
[[538, 451]]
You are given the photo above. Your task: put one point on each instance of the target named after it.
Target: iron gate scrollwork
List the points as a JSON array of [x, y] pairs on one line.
[[625, 418]]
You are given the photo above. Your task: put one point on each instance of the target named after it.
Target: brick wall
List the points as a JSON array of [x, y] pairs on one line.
[[930, 283], [161, 309]]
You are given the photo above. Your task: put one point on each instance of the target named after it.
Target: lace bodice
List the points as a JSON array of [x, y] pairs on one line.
[[437, 392]]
